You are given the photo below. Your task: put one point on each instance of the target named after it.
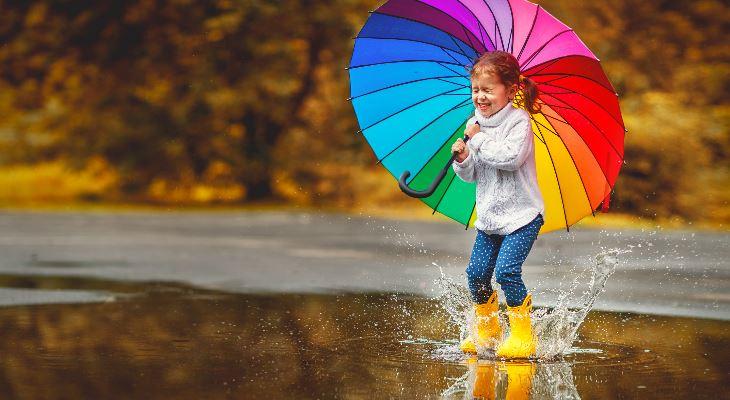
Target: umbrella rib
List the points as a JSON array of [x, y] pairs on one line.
[[540, 136], [527, 39], [456, 62], [536, 69], [449, 54], [588, 199], [453, 39], [565, 74], [569, 107], [400, 61], [472, 212], [416, 41], [450, 217], [511, 42], [458, 105], [442, 78], [559, 76], [497, 29], [437, 151], [602, 134], [541, 48], [429, 25], [465, 76], [463, 28], [482, 31], [409, 82], [550, 62], [581, 138], [411, 106], [483, 28], [557, 180], [582, 95], [544, 65], [444, 194], [460, 24], [540, 139]]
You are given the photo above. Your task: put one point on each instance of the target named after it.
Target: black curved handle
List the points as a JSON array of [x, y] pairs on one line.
[[429, 191]]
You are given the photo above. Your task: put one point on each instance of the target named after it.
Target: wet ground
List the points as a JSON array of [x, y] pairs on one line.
[[172, 341], [293, 305], [679, 273]]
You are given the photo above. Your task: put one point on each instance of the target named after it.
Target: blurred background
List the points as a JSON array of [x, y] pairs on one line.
[[182, 103]]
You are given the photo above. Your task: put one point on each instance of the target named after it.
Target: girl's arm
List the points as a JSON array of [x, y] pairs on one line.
[[508, 153], [465, 169]]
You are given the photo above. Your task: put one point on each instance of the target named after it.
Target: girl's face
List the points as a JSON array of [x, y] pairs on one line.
[[489, 94]]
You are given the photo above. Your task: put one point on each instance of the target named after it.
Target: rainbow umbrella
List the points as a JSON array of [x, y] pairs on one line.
[[410, 89]]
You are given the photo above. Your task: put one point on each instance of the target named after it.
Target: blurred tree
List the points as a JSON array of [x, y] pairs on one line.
[[170, 91]]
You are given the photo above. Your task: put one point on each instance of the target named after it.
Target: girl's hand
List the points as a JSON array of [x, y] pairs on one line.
[[471, 130], [459, 147]]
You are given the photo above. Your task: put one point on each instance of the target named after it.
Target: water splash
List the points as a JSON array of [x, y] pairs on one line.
[[555, 328], [455, 299]]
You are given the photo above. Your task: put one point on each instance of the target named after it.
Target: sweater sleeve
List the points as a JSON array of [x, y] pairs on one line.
[[508, 153], [465, 169]]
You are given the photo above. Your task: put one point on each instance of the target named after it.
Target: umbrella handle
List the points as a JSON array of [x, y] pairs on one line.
[[421, 194]]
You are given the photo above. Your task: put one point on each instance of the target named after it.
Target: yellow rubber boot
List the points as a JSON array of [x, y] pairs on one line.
[[486, 331], [521, 342]]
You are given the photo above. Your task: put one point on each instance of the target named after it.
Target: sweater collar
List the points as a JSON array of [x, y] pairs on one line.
[[495, 119]]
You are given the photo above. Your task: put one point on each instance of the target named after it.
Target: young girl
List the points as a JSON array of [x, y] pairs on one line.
[[500, 157]]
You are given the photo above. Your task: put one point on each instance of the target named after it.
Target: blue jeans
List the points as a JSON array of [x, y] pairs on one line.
[[505, 254]]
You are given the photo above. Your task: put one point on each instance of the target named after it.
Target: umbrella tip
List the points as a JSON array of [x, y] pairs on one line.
[[349, 98], [359, 131]]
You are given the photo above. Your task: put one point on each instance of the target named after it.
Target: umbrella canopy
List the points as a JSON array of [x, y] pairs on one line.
[[411, 92]]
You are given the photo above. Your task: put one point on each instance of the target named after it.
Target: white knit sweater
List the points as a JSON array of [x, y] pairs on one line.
[[502, 162]]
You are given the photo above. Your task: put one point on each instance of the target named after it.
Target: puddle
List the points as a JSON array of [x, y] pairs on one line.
[[168, 341]]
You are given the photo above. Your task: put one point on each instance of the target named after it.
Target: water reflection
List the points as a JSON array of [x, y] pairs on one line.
[[486, 379], [166, 341]]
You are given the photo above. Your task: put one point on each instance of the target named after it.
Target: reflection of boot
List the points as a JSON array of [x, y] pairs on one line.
[[486, 332], [519, 380], [521, 342], [484, 380]]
